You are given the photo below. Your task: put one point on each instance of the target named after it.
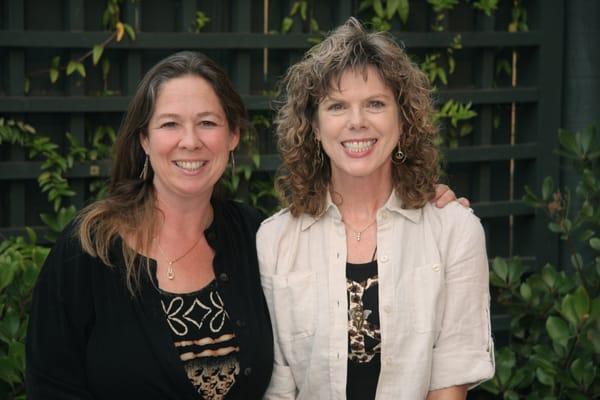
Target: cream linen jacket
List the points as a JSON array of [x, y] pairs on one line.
[[433, 301]]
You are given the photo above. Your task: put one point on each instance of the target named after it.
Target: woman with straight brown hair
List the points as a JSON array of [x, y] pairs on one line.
[[154, 292]]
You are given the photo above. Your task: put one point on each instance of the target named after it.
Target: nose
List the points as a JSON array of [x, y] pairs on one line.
[[356, 118], [190, 139]]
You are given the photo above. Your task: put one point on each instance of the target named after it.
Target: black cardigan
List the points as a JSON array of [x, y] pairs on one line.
[[88, 338]]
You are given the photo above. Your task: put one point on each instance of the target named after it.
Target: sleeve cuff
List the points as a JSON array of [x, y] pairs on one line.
[[454, 369]]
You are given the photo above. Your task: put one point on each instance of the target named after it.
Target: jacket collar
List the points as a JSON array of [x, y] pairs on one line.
[[393, 204]]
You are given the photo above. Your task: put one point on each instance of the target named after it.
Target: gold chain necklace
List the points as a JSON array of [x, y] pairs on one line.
[[356, 234], [170, 271]]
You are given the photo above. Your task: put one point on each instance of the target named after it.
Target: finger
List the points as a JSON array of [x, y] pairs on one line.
[[440, 190], [445, 198], [464, 202]]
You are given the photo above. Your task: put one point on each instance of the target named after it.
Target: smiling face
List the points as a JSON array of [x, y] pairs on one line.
[[188, 139], [359, 126]]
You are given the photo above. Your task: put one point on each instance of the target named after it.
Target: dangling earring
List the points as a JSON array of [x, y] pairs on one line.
[[232, 163], [144, 173], [398, 157]]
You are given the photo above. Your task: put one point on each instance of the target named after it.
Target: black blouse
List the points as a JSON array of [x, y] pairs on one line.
[[89, 338]]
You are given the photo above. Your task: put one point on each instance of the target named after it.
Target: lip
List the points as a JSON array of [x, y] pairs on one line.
[[357, 148], [190, 166]]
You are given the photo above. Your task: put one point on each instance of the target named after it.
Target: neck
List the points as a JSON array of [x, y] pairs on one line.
[[185, 219], [361, 197]]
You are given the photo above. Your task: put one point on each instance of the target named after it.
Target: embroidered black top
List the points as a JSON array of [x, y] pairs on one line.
[[89, 338], [204, 337], [364, 335]]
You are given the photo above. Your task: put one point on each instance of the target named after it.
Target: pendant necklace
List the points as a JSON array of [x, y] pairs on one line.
[[357, 234], [170, 271]]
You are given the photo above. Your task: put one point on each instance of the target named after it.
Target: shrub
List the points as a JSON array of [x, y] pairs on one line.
[[554, 346]]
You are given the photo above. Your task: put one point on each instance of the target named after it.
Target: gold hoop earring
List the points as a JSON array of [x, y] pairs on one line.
[[232, 163], [144, 173]]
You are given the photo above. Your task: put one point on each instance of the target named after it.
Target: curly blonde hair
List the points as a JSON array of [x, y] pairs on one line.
[[302, 179]]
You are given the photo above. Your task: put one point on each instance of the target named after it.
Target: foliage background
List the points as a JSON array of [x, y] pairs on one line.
[[68, 67]]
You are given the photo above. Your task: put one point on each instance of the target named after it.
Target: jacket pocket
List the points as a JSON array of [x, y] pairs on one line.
[[428, 286], [294, 302]]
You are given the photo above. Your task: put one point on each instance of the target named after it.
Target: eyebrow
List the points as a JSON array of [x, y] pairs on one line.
[[341, 98], [202, 114]]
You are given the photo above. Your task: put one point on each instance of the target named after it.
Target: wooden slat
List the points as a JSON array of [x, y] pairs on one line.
[[228, 40]]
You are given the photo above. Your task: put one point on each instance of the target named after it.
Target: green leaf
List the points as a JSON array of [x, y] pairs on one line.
[[8, 371], [256, 160], [54, 74], [130, 31], [71, 67], [510, 395], [392, 6], [80, 69], [97, 53], [403, 10], [547, 188], [55, 63], [286, 24], [505, 362], [526, 292], [595, 243], [31, 235], [9, 326], [558, 329], [549, 275], [7, 274], [295, 8], [544, 377], [577, 370], [378, 8], [581, 303], [500, 268], [567, 310], [303, 7]]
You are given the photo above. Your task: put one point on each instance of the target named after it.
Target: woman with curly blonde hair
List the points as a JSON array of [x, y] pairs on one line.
[[373, 291]]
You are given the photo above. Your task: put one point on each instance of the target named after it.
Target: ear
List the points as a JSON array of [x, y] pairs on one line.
[[234, 139], [144, 142], [315, 129]]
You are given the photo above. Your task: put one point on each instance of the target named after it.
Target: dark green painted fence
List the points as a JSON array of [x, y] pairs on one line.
[[33, 31]]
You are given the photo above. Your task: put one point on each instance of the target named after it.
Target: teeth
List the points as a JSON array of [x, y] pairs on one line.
[[190, 165], [359, 146]]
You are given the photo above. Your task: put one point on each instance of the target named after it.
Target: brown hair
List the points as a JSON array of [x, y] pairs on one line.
[[302, 181], [129, 210]]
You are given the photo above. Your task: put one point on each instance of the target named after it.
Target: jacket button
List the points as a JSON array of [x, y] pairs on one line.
[[223, 277], [247, 371]]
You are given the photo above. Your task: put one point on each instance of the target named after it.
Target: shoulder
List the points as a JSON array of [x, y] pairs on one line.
[[277, 223], [236, 211], [67, 265], [453, 220]]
